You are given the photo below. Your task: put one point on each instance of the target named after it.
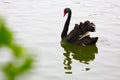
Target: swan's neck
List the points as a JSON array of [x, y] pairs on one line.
[[66, 26]]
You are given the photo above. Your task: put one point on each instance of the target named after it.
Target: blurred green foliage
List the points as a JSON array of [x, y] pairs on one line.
[[12, 70], [6, 36], [22, 61], [17, 50]]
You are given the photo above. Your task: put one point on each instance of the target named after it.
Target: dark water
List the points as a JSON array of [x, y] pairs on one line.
[[38, 24]]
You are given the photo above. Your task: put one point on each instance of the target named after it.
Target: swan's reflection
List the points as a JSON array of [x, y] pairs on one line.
[[83, 54]]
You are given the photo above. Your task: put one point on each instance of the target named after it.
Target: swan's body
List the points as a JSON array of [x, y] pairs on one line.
[[78, 34]]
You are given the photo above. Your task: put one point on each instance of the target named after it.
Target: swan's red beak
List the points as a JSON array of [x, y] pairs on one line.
[[64, 14]]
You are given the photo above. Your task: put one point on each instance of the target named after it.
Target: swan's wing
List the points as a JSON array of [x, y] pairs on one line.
[[74, 34]]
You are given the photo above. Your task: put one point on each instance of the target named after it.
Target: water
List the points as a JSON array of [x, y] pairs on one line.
[[38, 24]]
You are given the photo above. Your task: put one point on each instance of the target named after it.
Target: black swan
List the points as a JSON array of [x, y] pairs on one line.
[[78, 34]]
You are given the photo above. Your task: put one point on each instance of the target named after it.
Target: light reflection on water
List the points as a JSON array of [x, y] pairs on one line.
[[83, 54]]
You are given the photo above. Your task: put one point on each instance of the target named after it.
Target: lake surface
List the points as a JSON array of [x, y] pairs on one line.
[[37, 25]]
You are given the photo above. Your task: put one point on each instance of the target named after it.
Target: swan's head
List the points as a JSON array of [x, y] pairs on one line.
[[67, 10]]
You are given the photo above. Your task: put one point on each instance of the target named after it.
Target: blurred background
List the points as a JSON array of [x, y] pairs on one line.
[[31, 46]]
